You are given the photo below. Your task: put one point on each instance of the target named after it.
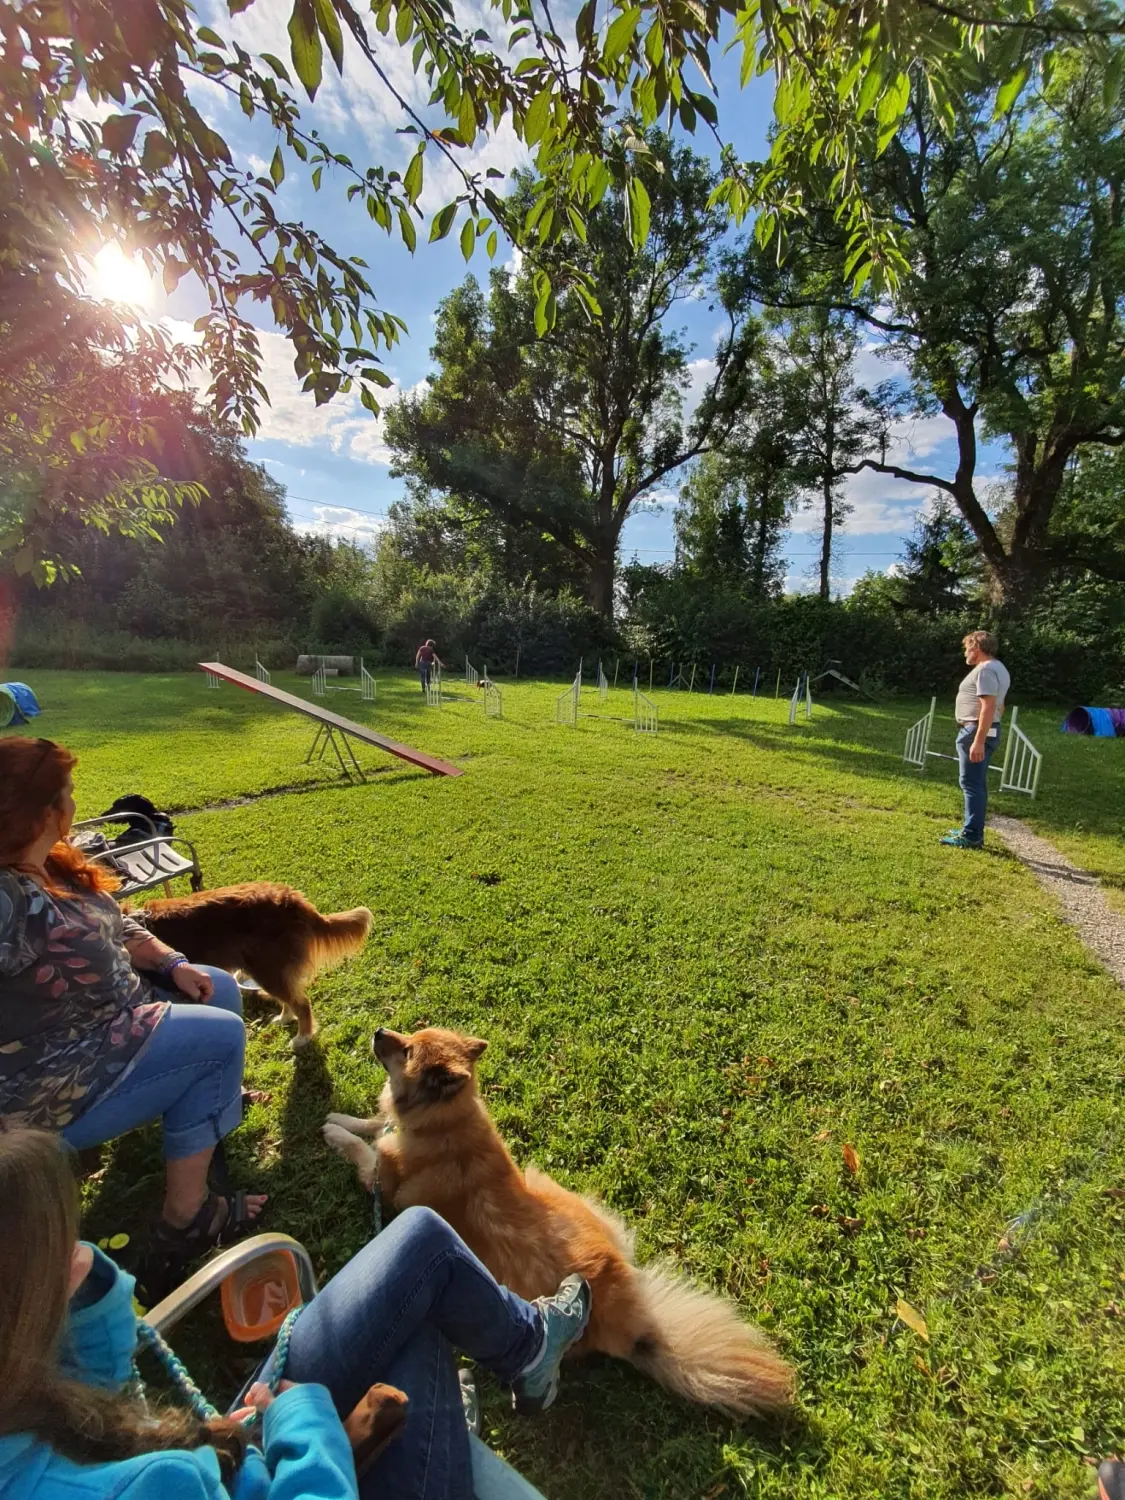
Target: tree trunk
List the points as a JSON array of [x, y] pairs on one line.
[[826, 540], [600, 578]]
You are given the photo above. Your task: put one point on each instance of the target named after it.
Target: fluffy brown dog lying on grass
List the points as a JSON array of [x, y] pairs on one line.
[[271, 932], [445, 1153]]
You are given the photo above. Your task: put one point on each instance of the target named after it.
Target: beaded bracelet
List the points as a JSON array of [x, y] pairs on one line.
[[169, 962]]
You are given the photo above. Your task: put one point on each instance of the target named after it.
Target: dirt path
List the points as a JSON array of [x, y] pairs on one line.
[[1078, 893]]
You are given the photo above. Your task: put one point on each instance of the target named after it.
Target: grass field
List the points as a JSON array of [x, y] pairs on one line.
[[706, 962]]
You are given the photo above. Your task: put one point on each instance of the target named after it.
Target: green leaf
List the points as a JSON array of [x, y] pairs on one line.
[[277, 65], [329, 24], [869, 90], [173, 271], [443, 222], [277, 167], [1010, 90], [118, 132], [544, 308], [409, 234], [467, 119], [620, 34], [304, 46], [468, 239], [640, 210], [157, 152], [404, 25], [535, 121], [491, 244], [1111, 86], [412, 181]]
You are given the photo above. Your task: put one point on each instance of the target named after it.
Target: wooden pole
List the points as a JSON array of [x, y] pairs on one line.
[[733, 689], [691, 684], [777, 684], [711, 689]]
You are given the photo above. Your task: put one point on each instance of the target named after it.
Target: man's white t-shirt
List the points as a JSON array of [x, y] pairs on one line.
[[987, 678]]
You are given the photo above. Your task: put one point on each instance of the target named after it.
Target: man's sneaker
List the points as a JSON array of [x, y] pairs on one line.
[[565, 1316], [959, 841]]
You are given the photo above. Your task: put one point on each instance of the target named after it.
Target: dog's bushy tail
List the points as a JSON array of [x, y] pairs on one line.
[[340, 934], [701, 1349]]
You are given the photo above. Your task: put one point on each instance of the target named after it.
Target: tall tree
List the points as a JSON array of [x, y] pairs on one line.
[[735, 504], [1010, 315], [834, 422], [565, 429]]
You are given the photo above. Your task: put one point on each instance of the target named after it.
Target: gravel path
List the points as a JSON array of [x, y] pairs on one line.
[[1083, 905]]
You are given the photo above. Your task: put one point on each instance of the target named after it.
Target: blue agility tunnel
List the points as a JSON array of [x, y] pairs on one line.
[[1105, 723], [17, 704]]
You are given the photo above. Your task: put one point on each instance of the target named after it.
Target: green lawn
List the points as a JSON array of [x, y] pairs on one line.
[[705, 962]]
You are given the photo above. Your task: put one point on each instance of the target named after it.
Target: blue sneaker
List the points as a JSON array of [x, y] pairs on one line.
[[565, 1316], [957, 840]]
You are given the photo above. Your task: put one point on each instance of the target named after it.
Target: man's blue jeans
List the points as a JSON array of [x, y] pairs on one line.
[[395, 1313], [974, 782], [424, 674]]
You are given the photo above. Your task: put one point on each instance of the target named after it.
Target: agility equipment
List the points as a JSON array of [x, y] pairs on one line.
[[802, 690], [320, 680], [566, 704], [17, 704], [493, 699], [212, 680], [333, 731], [646, 719], [472, 676], [366, 684], [433, 687], [1019, 770], [260, 672], [1105, 723], [603, 684]]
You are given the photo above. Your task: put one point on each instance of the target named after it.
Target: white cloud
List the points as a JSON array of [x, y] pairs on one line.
[[342, 525], [293, 417], [701, 372]]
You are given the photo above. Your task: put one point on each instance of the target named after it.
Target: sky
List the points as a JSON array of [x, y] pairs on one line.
[[332, 459]]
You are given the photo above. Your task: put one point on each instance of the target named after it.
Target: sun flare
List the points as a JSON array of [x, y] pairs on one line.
[[117, 277]]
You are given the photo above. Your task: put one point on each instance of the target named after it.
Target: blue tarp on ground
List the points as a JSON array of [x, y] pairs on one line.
[[17, 703]]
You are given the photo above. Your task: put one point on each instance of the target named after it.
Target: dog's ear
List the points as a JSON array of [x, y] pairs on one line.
[[475, 1047], [441, 1083]]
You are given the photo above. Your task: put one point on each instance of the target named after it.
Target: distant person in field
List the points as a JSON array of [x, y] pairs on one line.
[[980, 703], [426, 660]]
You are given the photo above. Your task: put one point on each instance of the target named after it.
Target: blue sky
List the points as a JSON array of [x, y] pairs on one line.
[[332, 460]]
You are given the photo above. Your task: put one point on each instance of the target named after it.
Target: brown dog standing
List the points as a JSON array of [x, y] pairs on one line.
[[271, 932], [445, 1153]]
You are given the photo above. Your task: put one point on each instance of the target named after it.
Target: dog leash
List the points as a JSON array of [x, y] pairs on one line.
[[177, 1372]]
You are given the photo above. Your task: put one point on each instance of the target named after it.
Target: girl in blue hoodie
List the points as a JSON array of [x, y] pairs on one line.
[[72, 1426]]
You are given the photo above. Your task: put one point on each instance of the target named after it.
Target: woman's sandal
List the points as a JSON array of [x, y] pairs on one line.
[[171, 1247]]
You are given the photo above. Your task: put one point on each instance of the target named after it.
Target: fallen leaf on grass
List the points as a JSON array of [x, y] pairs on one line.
[[913, 1319], [850, 1226], [823, 1136], [851, 1160]]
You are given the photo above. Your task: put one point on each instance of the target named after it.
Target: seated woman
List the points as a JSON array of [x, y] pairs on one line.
[[71, 1426], [102, 1028]]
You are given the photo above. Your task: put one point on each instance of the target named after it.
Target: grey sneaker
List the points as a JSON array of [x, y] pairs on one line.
[[470, 1401], [565, 1316]]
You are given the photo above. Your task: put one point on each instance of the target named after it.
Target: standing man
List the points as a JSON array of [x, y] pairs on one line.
[[425, 661], [980, 703]]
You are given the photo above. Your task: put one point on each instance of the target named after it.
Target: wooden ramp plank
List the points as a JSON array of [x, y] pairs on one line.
[[336, 721]]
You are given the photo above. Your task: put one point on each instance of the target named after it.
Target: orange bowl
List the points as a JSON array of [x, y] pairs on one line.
[[257, 1297]]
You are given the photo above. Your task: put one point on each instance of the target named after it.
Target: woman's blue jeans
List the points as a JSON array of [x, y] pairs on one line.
[[188, 1076], [395, 1313], [974, 782]]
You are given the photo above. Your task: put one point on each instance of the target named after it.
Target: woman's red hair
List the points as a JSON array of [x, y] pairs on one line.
[[33, 776]]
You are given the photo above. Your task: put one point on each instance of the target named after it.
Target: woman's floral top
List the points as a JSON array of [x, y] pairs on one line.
[[74, 1012]]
